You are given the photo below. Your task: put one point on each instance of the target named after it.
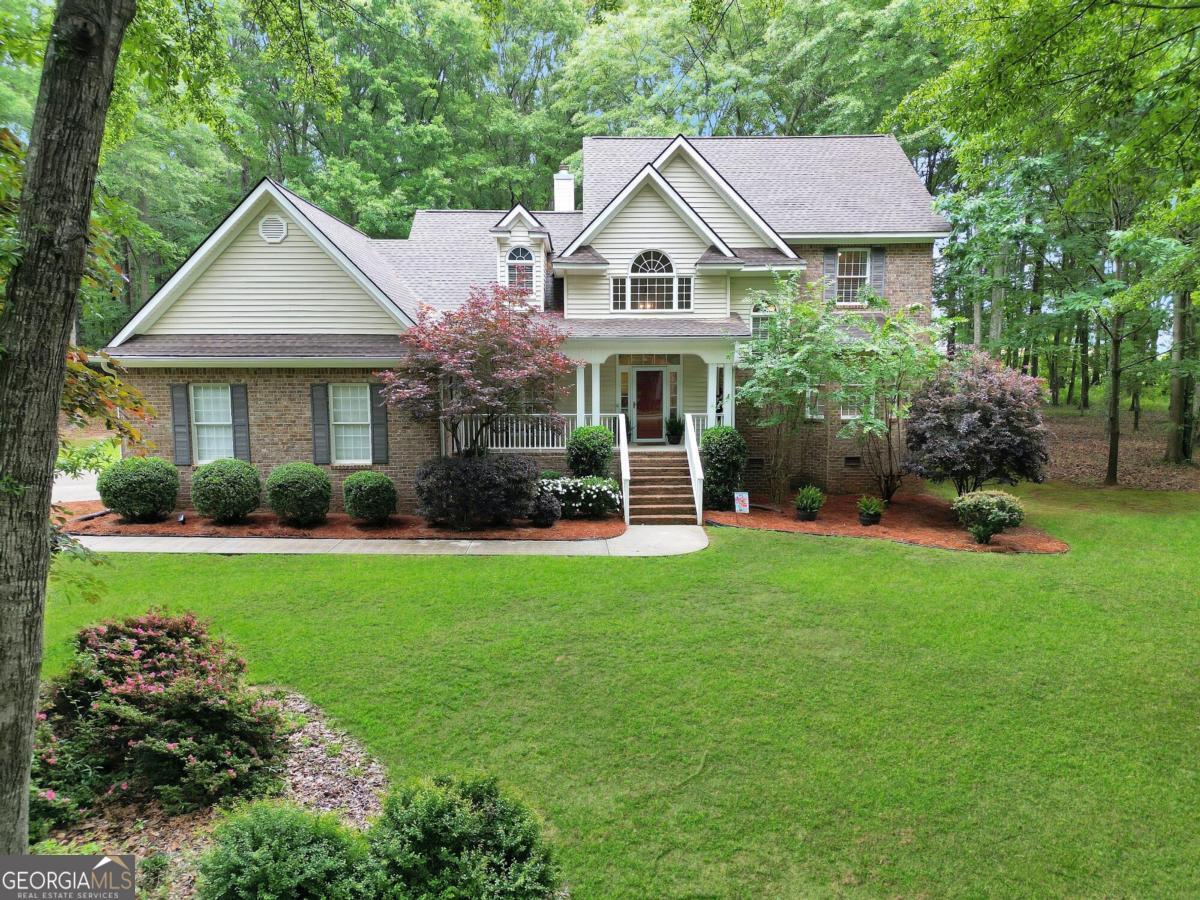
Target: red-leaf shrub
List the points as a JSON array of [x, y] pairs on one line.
[[977, 421], [154, 707]]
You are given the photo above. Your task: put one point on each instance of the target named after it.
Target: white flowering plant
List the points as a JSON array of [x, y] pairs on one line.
[[592, 497]]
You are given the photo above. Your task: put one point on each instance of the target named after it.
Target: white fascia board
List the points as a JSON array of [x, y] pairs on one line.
[[567, 266], [649, 175], [773, 267], [216, 242], [878, 237], [518, 210], [718, 183], [251, 362]]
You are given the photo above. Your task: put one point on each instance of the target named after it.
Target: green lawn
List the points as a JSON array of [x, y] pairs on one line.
[[781, 716]]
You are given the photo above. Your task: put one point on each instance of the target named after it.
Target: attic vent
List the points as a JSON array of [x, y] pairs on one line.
[[272, 229]]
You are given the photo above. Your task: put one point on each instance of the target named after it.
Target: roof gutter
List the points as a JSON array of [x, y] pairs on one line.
[[254, 362]]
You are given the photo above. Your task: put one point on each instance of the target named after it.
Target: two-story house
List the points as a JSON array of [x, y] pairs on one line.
[[263, 344]]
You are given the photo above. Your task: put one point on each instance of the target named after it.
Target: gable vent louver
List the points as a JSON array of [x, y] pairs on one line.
[[272, 229]]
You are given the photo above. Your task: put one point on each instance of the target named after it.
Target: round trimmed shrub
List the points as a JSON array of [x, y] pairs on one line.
[[987, 513], [723, 455], [369, 496], [272, 849], [590, 451], [226, 490], [461, 837], [139, 488], [299, 493], [465, 492], [546, 510], [585, 498]]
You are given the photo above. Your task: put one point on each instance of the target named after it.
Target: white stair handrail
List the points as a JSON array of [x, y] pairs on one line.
[[623, 449], [692, 446]]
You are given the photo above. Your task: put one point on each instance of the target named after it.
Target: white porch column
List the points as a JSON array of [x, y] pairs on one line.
[[580, 390], [727, 396], [595, 393], [712, 395]]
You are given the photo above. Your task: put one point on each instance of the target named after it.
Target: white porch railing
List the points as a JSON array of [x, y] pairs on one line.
[[691, 443], [534, 431], [623, 451]]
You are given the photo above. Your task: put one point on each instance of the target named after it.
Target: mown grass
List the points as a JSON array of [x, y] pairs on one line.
[[781, 715]]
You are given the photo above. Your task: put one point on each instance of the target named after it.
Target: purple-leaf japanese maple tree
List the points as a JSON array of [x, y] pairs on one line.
[[467, 367]]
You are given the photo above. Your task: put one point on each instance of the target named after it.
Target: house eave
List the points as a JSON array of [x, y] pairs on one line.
[[249, 362], [883, 237]]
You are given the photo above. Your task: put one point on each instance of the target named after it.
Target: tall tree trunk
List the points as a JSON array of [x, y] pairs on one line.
[[1114, 397], [1035, 311], [996, 324], [1177, 443], [1055, 365], [1084, 379], [39, 308]]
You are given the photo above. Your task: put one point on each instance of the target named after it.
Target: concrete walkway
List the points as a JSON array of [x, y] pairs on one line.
[[638, 540]]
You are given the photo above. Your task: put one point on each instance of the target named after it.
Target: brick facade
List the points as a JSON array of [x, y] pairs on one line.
[[280, 413]]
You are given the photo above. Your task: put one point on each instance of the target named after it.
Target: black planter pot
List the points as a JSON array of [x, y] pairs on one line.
[[806, 515], [869, 518], [674, 439]]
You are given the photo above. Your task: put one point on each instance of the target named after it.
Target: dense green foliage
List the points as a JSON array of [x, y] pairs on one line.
[[809, 498], [139, 488], [272, 849], [369, 496], [590, 497], [153, 707], [590, 451], [226, 490], [723, 455], [987, 513], [876, 696], [299, 493], [464, 492]]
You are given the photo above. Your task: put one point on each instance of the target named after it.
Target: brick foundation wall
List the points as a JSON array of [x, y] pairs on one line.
[[280, 413]]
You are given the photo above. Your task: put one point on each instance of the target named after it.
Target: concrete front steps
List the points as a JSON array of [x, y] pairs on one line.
[[660, 488]]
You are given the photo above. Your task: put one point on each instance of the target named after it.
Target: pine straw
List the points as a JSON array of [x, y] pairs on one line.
[[1079, 451]]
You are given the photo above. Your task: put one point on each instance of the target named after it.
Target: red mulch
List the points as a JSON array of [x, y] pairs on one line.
[[911, 518], [338, 525]]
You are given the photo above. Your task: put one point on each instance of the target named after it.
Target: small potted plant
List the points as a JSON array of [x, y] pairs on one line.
[[674, 430], [870, 510], [808, 502]]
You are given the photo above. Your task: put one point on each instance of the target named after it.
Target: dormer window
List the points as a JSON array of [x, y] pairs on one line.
[[651, 286], [520, 269]]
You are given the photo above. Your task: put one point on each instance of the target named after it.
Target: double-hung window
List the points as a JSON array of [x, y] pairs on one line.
[[350, 423], [853, 404], [520, 269], [212, 422], [652, 285], [853, 274], [760, 320], [812, 404]]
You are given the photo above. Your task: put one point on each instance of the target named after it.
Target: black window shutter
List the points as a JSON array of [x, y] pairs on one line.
[[320, 424], [379, 426], [879, 270], [829, 272], [241, 421], [181, 425]]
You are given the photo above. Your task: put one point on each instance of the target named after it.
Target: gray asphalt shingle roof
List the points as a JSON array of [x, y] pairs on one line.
[[843, 184], [650, 326]]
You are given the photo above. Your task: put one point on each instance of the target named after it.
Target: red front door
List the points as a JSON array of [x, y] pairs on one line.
[[649, 404]]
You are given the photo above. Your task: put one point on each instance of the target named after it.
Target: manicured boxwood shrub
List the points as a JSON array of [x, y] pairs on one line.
[[546, 510], [476, 491], [226, 490], [153, 707], [590, 451], [139, 488], [280, 850], [723, 455], [987, 513], [461, 837], [299, 493], [585, 498], [369, 496]]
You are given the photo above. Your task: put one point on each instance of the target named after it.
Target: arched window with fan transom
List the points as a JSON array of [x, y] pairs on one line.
[[652, 285]]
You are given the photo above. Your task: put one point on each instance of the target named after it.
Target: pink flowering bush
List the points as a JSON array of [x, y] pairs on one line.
[[155, 708]]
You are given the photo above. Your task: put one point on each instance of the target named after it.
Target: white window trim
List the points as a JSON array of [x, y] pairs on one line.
[[628, 279], [813, 410], [760, 315], [196, 460], [870, 405], [333, 423], [851, 304]]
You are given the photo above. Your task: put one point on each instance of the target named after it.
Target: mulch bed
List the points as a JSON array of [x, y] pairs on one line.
[[911, 518], [337, 526], [326, 770], [1079, 451]]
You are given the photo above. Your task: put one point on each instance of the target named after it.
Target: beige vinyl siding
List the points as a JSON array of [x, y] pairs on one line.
[[646, 223], [695, 384], [739, 291], [254, 287], [712, 207]]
